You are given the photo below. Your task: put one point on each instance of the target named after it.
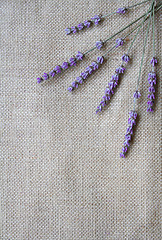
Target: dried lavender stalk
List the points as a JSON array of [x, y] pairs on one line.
[[98, 19], [133, 113]]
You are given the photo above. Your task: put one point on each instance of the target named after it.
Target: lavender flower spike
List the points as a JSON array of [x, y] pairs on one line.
[[79, 80], [153, 61], [119, 42], [99, 44], [121, 10], [129, 133]]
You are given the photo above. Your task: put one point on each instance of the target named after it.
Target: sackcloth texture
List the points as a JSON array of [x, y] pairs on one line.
[[61, 174]]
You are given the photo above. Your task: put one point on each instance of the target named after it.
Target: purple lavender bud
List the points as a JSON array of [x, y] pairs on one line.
[[120, 69], [79, 56], [129, 130], [68, 31], [115, 83], [121, 10], [119, 42], [89, 69], [94, 65], [150, 109], [65, 65], [73, 29], [122, 155], [87, 23], [108, 91], [106, 98], [39, 80], [152, 82], [100, 59], [70, 88], [75, 84], [57, 69], [45, 76], [96, 19], [79, 79], [111, 85], [137, 94], [72, 61], [152, 75], [153, 61], [151, 96], [151, 89], [112, 92], [124, 149], [126, 143], [131, 121], [52, 73], [125, 58], [115, 77], [84, 75], [128, 137], [133, 114], [99, 44], [150, 102], [80, 26]]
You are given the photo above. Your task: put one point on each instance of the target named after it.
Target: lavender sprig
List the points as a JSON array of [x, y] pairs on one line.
[[152, 75], [129, 133], [110, 88], [85, 74], [58, 69], [98, 19]]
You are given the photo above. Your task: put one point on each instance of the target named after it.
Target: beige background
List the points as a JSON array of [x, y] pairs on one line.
[[62, 177]]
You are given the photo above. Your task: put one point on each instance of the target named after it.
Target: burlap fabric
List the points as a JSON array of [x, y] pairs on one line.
[[62, 177]]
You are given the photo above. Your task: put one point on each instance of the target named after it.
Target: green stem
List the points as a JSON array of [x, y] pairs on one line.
[[109, 14], [153, 18], [118, 32], [140, 26], [143, 54], [138, 4]]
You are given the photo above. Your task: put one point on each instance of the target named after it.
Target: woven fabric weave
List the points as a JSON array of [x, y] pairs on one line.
[[62, 177]]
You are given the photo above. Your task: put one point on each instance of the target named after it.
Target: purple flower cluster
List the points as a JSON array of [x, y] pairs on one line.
[[153, 61], [119, 42], [88, 71], [137, 94], [110, 88], [121, 10], [87, 23], [64, 66], [99, 44], [125, 58], [129, 132], [151, 96]]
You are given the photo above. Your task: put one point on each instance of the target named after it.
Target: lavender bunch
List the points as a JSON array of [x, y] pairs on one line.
[[129, 133], [88, 71], [58, 69]]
